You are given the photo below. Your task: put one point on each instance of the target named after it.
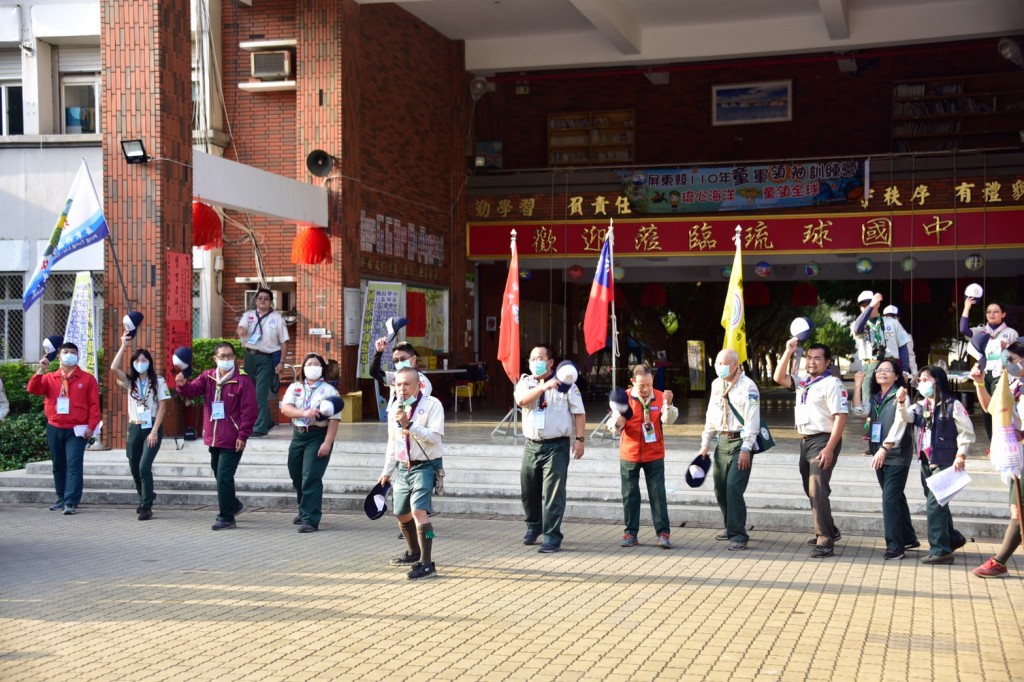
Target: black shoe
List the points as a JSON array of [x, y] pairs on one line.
[[959, 543], [240, 508], [145, 514], [938, 559], [223, 525], [406, 559], [722, 536], [422, 571], [308, 528], [912, 545], [138, 509], [820, 552], [736, 546], [836, 537], [257, 435], [896, 554], [297, 520], [531, 537], [549, 548]]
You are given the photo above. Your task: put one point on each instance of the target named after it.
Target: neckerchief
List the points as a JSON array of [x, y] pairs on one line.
[[806, 384], [726, 387], [876, 331], [993, 331], [412, 411], [220, 384], [645, 406], [139, 389], [308, 392], [882, 400], [542, 401]]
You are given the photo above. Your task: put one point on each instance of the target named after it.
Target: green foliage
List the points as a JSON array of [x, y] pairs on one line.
[[202, 360], [15, 376], [833, 334], [23, 439]]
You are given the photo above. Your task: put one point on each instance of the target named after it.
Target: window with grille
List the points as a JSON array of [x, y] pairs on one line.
[[56, 304], [12, 319], [197, 283]]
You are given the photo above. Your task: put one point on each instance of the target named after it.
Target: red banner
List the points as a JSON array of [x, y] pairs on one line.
[[713, 235]]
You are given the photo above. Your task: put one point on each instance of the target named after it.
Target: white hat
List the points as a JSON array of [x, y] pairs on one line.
[[973, 291], [802, 328], [891, 310], [865, 295], [696, 472]]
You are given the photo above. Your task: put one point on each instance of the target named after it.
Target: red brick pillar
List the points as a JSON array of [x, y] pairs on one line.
[[147, 95], [326, 89]]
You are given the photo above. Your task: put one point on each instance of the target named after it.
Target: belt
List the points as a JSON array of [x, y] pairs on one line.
[[814, 435], [541, 441], [136, 423], [729, 434], [256, 352], [312, 427]]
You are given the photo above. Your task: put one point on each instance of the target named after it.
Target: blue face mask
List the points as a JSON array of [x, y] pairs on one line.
[[723, 371], [539, 367], [926, 388], [225, 365], [141, 367], [408, 402], [70, 360], [402, 364]]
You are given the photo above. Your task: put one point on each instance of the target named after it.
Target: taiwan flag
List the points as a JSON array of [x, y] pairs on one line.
[[602, 293]]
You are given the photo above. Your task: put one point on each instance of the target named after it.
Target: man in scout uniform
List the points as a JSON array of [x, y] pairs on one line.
[[415, 431], [734, 415], [404, 355], [264, 335], [554, 423], [821, 413], [71, 402], [642, 446], [878, 337]]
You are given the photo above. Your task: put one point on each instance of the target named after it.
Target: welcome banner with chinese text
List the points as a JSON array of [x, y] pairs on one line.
[[746, 188], [712, 235]]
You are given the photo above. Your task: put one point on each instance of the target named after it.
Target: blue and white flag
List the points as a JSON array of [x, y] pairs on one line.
[[80, 224]]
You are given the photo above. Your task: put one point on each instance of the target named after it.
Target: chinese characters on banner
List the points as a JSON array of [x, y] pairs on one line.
[[178, 305], [381, 302]]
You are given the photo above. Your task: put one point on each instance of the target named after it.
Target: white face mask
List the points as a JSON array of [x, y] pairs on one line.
[[225, 365], [926, 388], [313, 372], [1015, 369], [141, 367], [402, 364], [723, 371]]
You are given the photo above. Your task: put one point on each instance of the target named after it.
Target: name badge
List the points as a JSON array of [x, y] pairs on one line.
[[63, 405], [650, 435], [145, 418], [876, 433], [217, 410], [255, 337], [803, 416], [539, 419], [302, 422]]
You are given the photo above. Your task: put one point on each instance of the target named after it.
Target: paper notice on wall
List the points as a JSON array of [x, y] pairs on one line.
[[383, 300]]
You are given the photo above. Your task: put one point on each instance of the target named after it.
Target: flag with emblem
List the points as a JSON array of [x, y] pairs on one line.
[[508, 332], [602, 291], [733, 319]]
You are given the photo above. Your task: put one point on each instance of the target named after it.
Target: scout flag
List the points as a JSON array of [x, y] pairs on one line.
[[733, 319], [508, 332]]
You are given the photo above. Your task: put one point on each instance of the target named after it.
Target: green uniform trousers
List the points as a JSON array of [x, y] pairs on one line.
[[545, 467], [730, 484], [140, 461], [260, 368], [654, 474], [307, 472], [941, 533]]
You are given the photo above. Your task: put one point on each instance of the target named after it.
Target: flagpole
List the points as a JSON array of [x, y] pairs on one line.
[[615, 326]]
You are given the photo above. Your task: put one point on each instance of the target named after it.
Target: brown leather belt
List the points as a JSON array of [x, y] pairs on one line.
[[312, 427], [729, 434]]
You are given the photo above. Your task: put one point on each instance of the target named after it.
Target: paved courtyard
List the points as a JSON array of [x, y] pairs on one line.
[[101, 596]]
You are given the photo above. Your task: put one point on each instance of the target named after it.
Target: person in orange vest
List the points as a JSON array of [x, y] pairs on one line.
[[642, 447]]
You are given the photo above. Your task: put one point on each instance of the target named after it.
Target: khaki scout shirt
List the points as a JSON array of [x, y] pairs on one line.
[[558, 415], [302, 396], [273, 331], [817, 400], [745, 398]]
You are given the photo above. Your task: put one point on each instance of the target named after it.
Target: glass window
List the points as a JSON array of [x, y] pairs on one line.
[[13, 118], [12, 319], [80, 101]]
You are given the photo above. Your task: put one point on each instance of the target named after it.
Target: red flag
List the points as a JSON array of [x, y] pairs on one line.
[[595, 322], [508, 333]]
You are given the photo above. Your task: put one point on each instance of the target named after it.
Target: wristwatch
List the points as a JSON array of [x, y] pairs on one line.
[[580, 439]]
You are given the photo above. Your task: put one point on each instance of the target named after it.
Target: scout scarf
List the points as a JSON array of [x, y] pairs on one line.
[[806, 384]]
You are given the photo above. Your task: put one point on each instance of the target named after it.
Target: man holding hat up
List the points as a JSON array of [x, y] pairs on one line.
[[734, 416], [264, 336], [415, 450], [893, 313], [877, 337], [554, 423], [821, 412], [642, 446]]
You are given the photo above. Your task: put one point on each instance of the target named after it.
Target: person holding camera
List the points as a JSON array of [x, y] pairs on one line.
[[877, 337]]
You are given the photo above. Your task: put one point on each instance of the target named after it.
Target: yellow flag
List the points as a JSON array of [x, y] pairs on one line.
[[733, 319]]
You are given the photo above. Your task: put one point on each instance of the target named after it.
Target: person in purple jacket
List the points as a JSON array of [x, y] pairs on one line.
[[229, 413]]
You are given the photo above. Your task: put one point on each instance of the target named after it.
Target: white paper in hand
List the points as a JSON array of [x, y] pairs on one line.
[[946, 484]]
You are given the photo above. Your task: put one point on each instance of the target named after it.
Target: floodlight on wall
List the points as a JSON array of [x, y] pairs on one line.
[[1010, 49], [134, 151]]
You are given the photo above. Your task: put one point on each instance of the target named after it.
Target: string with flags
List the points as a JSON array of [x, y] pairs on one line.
[[508, 332], [733, 319], [79, 225]]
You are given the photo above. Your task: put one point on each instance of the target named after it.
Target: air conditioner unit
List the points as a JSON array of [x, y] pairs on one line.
[[271, 65]]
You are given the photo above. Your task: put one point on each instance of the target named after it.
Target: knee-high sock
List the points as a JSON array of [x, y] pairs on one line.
[[409, 533], [426, 537], [1011, 541]]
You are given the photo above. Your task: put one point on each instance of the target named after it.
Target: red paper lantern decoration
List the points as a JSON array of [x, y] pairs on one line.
[[312, 246], [804, 294], [207, 227], [653, 296], [576, 273], [756, 293], [916, 291]]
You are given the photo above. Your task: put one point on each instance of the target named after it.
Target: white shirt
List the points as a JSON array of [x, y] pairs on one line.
[[745, 399], [994, 348], [5, 407], [825, 398], [893, 335], [263, 334], [302, 396], [146, 401], [558, 411], [426, 431]]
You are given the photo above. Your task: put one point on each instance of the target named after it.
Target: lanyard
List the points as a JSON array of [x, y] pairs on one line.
[[646, 407], [259, 321], [542, 402], [889, 395], [806, 386], [141, 389]]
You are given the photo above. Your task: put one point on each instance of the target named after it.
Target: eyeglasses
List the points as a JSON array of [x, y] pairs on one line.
[[398, 358], [882, 370]]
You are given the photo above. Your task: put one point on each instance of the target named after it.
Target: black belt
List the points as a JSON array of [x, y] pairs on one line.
[[312, 427], [541, 441], [730, 434], [256, 352]]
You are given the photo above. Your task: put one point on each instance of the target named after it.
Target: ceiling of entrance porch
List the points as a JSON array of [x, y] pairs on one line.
[[504, 36]]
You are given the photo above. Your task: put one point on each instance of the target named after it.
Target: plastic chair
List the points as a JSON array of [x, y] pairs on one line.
[[464, 390]]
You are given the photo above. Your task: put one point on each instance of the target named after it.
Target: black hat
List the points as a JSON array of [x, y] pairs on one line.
[[131, 322], [376, 503], [393, 325], [331, 406], [802, 328], [51, 344], [978, 342], [567, 374], [183, 360], [698, 471], [618, 400]]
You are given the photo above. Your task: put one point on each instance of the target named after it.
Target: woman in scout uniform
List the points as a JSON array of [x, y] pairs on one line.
[[892, 450], [1014, 365], [312, 439], [147, 393], [987, 344], [942, 434]]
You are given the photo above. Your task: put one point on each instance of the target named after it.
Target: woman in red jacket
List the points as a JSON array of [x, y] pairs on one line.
[[229, 413]]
